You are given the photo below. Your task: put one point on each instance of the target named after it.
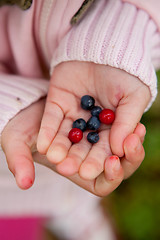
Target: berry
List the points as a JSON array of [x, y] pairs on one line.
[[93, 123], [80, 123], [75, 135], [96, 111], [106, 116], [87, 102], [93, 137]]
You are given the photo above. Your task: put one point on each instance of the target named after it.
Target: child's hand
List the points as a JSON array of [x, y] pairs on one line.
[[111, 88], [19, 139]]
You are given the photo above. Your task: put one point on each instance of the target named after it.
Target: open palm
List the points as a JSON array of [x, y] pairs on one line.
[[69, 82]]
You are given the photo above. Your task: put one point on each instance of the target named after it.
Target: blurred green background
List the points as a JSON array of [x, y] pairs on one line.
[[135, 205]]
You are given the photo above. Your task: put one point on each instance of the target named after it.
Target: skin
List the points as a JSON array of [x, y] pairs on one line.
[[94, 168]]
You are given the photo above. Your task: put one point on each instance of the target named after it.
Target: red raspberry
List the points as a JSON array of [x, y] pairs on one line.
[[75, 135], [106, 116]]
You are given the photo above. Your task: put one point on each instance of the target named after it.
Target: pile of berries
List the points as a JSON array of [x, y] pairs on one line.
[[99, 116]]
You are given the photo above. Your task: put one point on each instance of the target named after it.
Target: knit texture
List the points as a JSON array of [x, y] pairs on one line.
[[17, 93], [116, 34], [150, 6]]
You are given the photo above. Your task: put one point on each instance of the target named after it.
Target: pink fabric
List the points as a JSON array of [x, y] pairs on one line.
[[152, 7], [21, 228], [48, 34], [20, 33]]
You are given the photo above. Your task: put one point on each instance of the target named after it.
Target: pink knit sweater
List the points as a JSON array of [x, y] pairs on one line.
[[120, 33]]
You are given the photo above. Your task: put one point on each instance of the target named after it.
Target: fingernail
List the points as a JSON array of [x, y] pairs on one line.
[[113, 165]]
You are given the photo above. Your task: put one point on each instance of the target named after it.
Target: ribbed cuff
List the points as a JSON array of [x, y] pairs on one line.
[[116, 34], [17, 93]]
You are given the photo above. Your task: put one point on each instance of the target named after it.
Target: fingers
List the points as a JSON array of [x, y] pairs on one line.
[[106, 182], [20, 162], [102, 181], [85, 158], [93, 165], [76, 155], [18, 137], [115, 170], [60, 146], [140, 131], [134, 151], [49, 127], [111, 178], [128, 114]]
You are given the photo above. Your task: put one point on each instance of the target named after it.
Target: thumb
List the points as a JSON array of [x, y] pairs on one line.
[[20, 161], [127, 116]]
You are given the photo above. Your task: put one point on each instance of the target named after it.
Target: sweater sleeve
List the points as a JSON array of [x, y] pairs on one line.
[[117, 34], [17, 93], [152, 7]]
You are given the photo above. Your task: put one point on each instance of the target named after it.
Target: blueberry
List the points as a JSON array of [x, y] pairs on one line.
[[93, 137], [87, 102], [80, 123], [96, 111], [93, 123]]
